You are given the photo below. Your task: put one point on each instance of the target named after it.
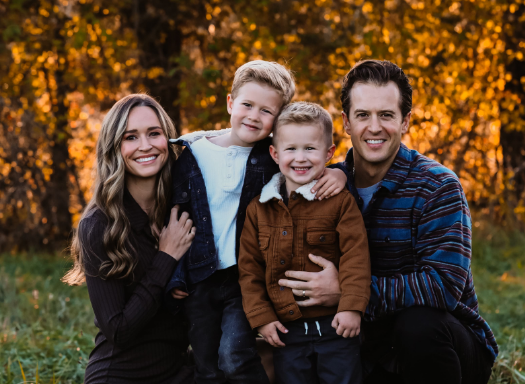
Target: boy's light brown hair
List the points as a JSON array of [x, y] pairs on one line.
[[270, 73], [303, 112]]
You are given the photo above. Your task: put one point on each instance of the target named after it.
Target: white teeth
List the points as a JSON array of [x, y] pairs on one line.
[[144, 159], [374, 141], [301, 169]]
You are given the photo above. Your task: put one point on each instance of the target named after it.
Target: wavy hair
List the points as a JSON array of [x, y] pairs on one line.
[[109, 192]]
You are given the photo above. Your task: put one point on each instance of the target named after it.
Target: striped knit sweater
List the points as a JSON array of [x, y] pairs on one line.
[[419, 234]]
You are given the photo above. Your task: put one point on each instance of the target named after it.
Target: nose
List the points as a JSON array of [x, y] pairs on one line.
[[254, 115], [300, 156], [144, 144], [375, 125]]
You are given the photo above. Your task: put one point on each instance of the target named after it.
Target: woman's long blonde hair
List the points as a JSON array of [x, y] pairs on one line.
[[109, 192]]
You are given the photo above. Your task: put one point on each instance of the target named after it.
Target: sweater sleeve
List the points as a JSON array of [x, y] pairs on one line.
[[121, 319], [252, 271], [442, 253], [354, 264]]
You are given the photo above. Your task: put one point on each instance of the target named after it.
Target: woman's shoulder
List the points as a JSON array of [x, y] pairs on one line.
[[92, 226]]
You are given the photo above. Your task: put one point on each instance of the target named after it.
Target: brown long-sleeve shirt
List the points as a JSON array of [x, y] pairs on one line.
[[139, 341], [278, 237]]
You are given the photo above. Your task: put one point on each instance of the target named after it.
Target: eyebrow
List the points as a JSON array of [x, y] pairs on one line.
[[382, 111], [135, 130]]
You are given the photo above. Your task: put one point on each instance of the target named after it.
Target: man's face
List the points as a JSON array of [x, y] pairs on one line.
[[375, 123]]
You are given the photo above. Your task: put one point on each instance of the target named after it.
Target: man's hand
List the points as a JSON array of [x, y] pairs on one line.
[[269, 333], [347, 323], [331, 182], [321, 288], [178, 294]]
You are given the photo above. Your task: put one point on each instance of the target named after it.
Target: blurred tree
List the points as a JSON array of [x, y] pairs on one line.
[[64, 62]]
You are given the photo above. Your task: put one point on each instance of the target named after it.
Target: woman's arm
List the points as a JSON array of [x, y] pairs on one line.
[[121, 320]]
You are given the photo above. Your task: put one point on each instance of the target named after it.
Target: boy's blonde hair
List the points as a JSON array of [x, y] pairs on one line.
[[272, 74], [303, 112]]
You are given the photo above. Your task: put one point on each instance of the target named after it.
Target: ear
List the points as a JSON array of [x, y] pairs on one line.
[[229, 103], [274, 154], [330, 153], [405, 122], [346, 123]]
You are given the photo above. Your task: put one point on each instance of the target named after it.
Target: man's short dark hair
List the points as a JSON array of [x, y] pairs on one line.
[[378, 72]]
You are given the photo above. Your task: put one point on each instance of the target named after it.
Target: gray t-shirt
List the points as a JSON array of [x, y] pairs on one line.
[[366, 194]]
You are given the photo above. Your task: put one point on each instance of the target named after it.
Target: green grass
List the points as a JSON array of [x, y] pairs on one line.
[[47, 327]]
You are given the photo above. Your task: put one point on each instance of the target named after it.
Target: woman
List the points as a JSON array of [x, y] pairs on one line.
[[124, 257]]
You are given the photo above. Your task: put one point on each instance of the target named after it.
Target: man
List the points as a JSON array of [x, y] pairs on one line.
[[422, 323]]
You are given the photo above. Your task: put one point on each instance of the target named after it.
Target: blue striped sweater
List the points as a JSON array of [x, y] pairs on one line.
[[419, 234]]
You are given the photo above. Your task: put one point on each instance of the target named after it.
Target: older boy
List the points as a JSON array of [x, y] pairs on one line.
[[214, 179], [282, 227]]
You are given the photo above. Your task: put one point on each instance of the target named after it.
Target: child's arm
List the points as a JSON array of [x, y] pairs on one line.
[[270, 335], [347, 323], [354, 264], [252, 273], [331, 183]]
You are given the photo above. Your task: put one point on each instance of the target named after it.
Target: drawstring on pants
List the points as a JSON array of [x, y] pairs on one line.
[[306, 328]]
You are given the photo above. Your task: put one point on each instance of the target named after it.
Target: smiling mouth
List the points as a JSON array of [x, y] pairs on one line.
[[145, 159], [301, 169], [378, 141], [250, 126]]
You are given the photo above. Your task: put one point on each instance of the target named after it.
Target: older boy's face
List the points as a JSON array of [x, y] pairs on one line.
[[252, 113], [301, 152]]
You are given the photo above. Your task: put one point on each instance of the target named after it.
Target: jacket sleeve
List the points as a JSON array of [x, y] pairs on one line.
[[442, 251], [252, 270], [121, 319], [354, 264]]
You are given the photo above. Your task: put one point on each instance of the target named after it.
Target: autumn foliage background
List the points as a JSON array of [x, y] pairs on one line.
[[63, 63]]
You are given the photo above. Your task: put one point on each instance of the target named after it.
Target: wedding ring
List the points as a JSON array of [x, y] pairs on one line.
[[304, 293]]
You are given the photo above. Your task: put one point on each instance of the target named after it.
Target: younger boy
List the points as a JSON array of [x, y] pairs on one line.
[[283, 226], [214, 179]]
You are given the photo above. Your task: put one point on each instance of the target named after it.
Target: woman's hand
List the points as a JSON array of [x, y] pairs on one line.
[[321, 288], [331, 182], [176, 238]]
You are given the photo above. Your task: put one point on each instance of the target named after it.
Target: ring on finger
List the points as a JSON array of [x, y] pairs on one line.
[[304, 293]]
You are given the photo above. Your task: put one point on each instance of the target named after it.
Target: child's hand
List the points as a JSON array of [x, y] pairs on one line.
[[178, 294], [270, 335], [331, 182], [347, 323]]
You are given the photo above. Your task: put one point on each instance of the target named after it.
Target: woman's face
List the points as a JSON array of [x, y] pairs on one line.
[[144, 146]]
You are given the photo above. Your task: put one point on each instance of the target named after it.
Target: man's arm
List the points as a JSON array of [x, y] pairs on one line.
[[443, 252], [321, 288], [443, 249]]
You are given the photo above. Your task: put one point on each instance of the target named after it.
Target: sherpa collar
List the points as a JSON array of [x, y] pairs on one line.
[[192, 137], [273, 187]]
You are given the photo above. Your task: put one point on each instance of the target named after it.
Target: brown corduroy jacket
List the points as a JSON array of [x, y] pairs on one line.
[[277, 238]]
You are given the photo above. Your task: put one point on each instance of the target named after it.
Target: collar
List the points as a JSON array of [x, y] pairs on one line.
[[272, 189], [397, 173], [192, 137], [138, 219]]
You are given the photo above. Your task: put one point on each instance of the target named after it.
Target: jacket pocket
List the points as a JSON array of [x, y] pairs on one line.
[[181, 193], [264, 244], [323, 243]]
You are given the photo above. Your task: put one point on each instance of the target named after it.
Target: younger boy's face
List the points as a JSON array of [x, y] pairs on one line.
[[301, 152], [252, 113]]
